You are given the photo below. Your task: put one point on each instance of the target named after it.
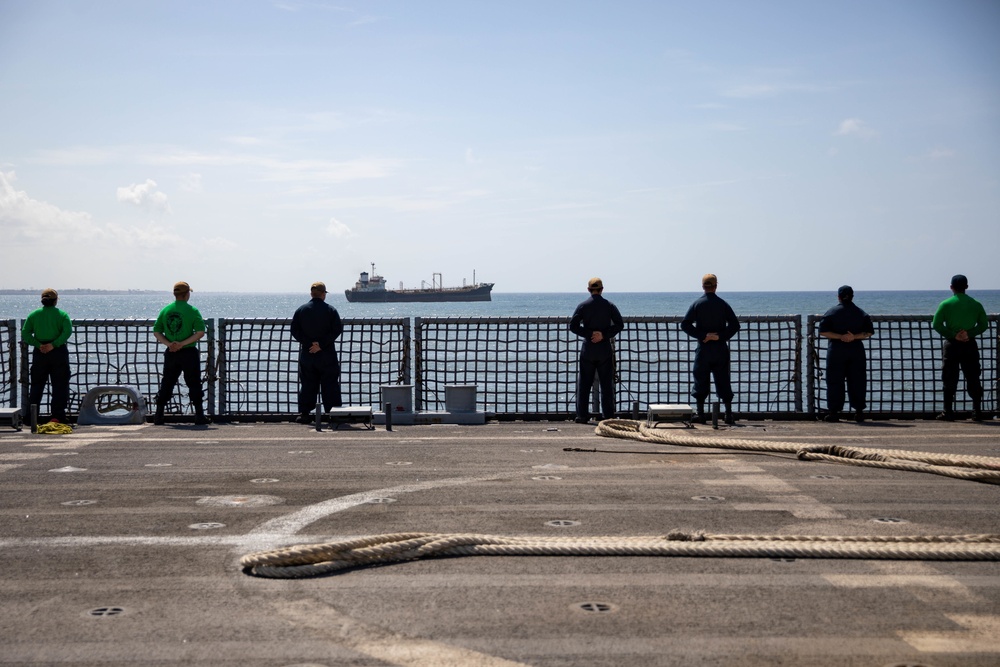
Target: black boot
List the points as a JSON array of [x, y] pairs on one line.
[[199, 416], [158, 417], [700, 417], [949, 402], [730, 419]]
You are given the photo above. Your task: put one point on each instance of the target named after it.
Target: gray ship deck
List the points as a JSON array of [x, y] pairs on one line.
[[122, 543]]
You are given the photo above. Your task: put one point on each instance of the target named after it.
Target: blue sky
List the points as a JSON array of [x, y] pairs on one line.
[[259, 146]]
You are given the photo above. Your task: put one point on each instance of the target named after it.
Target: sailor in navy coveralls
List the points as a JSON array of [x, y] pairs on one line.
[[316, 325], [597, 321], [713, 323], [846, 325]]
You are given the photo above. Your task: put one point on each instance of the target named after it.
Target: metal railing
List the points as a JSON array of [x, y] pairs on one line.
[[8, 362], [258, 363], [523, 367], [904, 367], [122, 352], [527, 366]]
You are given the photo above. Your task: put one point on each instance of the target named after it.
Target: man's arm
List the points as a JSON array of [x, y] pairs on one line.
[[576, 324], [688, 325], [732, 323], [939, 322], [617, 323], [982, 323], [65, 330]]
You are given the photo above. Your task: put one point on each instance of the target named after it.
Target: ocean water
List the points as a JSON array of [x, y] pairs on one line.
[[282, 305]]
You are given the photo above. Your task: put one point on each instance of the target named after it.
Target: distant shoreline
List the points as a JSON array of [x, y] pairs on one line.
[[81, 292]]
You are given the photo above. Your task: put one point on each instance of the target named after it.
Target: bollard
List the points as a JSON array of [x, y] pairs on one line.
[[715, 415], [635, 410], [34, 419], [319, 417], [388, 416]]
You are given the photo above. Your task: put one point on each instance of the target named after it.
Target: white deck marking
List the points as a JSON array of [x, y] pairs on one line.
[[981, 635], [293, 523], [382, 643]]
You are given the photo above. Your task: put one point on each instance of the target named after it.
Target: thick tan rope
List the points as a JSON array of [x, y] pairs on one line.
[[316, 559], [960, 466]]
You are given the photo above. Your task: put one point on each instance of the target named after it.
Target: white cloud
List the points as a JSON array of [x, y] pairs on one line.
[[151, 236], [855, 127], [470, 157], [27, 221], [261, 167], [338, 230], [23, 219], [144, 194]]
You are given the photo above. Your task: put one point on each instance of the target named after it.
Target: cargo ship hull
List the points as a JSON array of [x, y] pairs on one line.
[[370, 288], [481, 292]]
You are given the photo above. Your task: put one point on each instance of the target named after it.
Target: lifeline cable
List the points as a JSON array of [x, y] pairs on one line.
[[318, 559], [959, 466]]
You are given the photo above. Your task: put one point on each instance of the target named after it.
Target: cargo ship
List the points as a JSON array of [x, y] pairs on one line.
[[371, 288]]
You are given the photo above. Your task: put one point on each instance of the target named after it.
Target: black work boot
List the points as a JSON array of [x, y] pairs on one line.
[[729, 418], [158, 416], [832, 417], [700, 417], [199, 416]]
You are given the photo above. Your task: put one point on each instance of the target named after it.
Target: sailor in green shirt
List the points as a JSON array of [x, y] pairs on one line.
[[47, 330], [180, 326], [960, 319]]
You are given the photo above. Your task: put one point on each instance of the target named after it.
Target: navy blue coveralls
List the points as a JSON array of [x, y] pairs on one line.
[[319, 322], [846, 361], [709, 314], [596, 314]]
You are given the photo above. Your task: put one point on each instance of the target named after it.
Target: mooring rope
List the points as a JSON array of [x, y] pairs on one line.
[[959, 466], [312, 560], [317, 559]]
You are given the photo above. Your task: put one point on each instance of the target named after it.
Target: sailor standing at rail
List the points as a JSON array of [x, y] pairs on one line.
[[597, 321], [180, 326], [960, 320], [711, 320], [48, 330], [846, 325], [316, 325]]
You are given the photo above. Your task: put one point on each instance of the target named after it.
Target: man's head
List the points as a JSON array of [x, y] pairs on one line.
[[318, 290], [959, 284], [182, 291], [595, 286], [845, 293], [49, 297], [709, 282]]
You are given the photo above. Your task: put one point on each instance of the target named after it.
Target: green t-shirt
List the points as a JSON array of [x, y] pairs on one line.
[[960, 312], [178, 321], [48, 324]]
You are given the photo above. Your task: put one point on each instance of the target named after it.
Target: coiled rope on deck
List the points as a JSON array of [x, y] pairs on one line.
[[317, 559], [312, 560], [959, 466]]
